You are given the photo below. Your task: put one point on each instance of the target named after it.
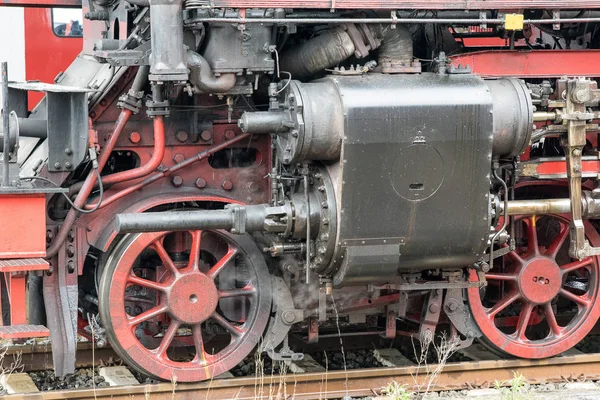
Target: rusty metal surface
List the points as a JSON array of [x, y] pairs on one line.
[[39, 358], [355, 383]]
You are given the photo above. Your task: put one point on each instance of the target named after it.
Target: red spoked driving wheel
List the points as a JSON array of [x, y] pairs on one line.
[[184, 306], [538, 302]]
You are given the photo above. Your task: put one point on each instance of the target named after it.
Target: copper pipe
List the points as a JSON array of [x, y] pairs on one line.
[[161, 174], [88, 185], [151, 165]]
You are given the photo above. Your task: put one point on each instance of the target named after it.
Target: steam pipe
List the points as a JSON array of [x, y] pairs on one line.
[[202, 77], [151, 165], [397, 46], [324, 51]]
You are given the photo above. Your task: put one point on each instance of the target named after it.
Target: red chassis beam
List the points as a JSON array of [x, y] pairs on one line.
[[412, 4], [361, 4], [41, 3], [532, 64]]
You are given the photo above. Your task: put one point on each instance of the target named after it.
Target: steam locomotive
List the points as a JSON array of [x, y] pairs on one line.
[[209, 178]]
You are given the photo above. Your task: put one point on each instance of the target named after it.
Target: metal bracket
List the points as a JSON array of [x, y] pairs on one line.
[[460, 315], [431, 314], [578, 92]]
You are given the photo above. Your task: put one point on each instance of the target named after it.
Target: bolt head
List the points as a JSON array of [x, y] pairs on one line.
[[135, 137], [177, 158], [200, 183], [229, 134], [227, 184], [177, 181], [182, 136], [206, 136], [253, 187]]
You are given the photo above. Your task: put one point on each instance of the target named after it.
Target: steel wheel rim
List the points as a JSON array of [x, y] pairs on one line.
[[186, 299], [540, 262]]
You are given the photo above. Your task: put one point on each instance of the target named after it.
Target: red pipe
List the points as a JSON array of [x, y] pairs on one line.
[[151, 165], [161, 174], [88, 185]]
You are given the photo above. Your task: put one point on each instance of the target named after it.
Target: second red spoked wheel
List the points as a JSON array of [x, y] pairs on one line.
[[538, 301]]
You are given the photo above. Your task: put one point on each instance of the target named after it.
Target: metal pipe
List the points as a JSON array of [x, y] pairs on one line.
[[151, 165], [538, 207], [455, 21], [27, 127], [88, 185], [203, 78], [5, 125]]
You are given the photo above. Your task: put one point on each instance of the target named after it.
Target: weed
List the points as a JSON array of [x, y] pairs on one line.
[[396, 391], [513, 389]]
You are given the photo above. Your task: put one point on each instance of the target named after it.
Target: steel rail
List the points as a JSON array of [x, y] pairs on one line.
[[355, 383]]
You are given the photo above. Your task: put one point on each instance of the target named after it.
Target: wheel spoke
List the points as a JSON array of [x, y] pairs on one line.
[[574, 298], [524, 317], [136, 280], [245, 291], [532, 239], [500, 277], [575, 265], [234, 330], [551, 319], [165, 258], [502, 304], [222, 263], [167, 339], [194, 262], [146, 315], [553, 249], [201, 355], [515, 257]]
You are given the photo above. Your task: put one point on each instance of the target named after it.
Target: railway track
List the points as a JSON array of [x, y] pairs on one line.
[[354, 383]]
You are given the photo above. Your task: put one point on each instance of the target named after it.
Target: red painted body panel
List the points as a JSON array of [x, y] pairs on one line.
[[23, 219], [45, 53], [41, 3], [532, 64]]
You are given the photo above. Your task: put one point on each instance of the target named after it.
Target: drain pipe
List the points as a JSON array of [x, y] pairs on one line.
[[202, 77]]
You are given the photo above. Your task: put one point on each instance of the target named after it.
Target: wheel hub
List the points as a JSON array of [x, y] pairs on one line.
[[193, 298], [540, 280]]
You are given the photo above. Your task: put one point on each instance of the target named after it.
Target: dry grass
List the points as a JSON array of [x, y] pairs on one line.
[[443, 348]]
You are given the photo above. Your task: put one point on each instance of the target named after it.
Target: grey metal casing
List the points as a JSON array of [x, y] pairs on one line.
[[413, 176]]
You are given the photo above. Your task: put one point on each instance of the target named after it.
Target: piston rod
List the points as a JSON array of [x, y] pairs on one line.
[[539, 207], [234, 218], [590, 204]]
